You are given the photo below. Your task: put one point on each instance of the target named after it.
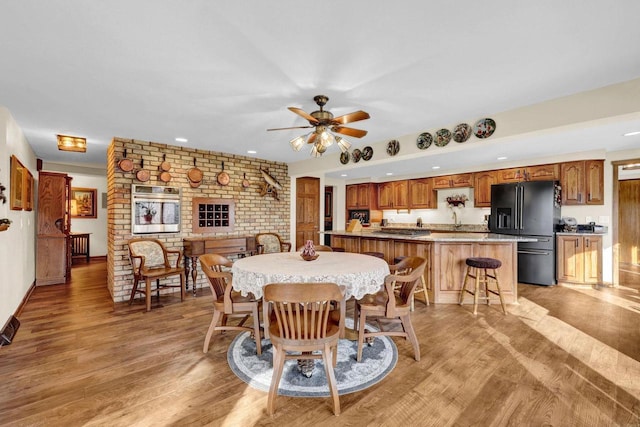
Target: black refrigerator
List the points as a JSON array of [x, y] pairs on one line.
[[530, 209]]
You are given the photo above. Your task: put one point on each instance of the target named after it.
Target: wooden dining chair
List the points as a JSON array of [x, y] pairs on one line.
[[401, 266], [150, 261], [388, 306], [268, 243], [318, 248], [303, 320], [227, 302]]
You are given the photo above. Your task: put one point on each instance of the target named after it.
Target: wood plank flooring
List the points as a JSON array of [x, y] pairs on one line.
[[562, 357]]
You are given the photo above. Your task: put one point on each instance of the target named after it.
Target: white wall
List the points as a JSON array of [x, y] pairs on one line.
[[17, 244], [88, 178]]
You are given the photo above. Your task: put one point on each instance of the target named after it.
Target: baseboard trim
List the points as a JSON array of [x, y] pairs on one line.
[[25, 299]]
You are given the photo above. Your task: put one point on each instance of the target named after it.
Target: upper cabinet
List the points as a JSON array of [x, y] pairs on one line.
[[361, 196], [421, 194], [482, 183], [550, 172], [453, 181], [393, 195], [582, 182]]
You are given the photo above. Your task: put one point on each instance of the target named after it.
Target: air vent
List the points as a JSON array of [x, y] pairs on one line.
[[9, 331]]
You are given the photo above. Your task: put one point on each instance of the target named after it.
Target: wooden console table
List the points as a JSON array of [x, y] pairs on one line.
[[196, 246]]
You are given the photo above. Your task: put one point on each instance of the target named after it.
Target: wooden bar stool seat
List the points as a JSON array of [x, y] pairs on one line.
[[422, 286], [477, 269]]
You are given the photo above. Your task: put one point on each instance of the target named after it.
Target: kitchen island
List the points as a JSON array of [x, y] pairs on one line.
[[446, 254]]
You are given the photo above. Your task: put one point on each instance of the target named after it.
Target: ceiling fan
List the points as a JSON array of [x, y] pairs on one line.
[[324, 122]]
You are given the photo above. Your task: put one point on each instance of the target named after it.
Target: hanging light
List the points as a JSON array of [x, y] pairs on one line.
[[321, 138], [343, 143], [298, 142]]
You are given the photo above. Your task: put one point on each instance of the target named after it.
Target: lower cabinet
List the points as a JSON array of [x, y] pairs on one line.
[[579, 259]]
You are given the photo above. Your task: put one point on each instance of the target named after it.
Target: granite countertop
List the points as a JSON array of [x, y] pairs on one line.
[[579, 233], [436, 236]]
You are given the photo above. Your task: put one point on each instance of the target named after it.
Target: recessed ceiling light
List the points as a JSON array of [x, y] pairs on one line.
[[389, 173], [502, 158], [435, 167], [251, 151], [632, 133], [344, 174], [182, 140]]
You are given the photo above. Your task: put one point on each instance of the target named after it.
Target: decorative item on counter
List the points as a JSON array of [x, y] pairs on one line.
[[457, 200], [354, 225], [269, 186], [309, 251]]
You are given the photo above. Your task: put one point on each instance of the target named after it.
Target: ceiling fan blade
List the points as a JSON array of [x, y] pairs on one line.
[[351, 117], [304, 114], [312, 138], [294, 127], [356, 133]]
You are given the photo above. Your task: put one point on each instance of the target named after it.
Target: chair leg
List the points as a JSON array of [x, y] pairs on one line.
[[256, 330], [147, 283], [424, 289], [363, 318], [134, 289], [212, 327], [278, 364], [158, 289], [327, 356], [411, 335]]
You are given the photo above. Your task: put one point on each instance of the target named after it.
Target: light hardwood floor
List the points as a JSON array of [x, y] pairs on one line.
[[562, 357]]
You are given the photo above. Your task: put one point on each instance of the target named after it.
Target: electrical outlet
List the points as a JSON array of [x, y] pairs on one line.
[[588, 219], [603, 219]]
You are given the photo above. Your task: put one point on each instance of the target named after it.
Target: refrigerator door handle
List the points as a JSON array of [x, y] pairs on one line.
[[516, 223], [521, 206]]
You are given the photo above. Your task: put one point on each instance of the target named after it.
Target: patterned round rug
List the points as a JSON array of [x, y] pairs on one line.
[[378, 360]]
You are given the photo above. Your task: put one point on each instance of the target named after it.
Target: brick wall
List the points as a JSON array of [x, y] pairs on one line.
[[253, 213]]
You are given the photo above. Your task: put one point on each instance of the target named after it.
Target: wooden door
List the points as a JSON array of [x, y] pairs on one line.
[[594, 182], [482, 188], [328, 213], [592, 249], [570, 259], [628, 214], [572, 181], [307, 210]]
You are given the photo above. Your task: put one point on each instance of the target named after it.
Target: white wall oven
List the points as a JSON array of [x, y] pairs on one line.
[[155, 209]]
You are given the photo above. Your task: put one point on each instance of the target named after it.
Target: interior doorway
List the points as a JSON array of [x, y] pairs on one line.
[[328, 214], [307, 210], [625, 224]]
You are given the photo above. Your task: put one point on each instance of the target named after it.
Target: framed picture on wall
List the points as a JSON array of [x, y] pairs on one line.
[[28, 191], [83, 202], [16, 192]]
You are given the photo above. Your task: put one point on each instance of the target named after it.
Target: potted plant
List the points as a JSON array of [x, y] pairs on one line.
[[456, 200]]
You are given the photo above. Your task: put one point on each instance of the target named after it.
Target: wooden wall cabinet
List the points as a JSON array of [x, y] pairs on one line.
[[453, 181], [548, 172], [361, 196], [53, 246], [393, 195], [482, 182], [582, 182], [579, 259], [421, 194]]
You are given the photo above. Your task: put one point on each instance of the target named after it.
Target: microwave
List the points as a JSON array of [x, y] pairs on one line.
[[155, 209]]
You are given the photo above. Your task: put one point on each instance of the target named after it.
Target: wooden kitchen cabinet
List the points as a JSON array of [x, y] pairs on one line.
[[361, 196], [393, 195], [421, 194], [582, 182], [548, 172], [453, 181], [579, 259], [482, 182]]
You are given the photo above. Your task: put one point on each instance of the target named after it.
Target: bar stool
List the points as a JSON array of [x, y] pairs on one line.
[[375, 254], [420, 288], [481, 265]]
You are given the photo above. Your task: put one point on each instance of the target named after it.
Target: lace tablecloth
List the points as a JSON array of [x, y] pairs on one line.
[[359, 274]]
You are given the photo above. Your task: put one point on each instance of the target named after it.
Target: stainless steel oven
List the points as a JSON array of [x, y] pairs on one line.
[[155, 209]]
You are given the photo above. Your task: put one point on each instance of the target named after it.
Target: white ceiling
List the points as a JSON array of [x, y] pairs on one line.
[[221, 73]]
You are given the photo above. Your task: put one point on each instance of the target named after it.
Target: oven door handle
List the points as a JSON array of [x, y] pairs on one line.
[[534, 253]]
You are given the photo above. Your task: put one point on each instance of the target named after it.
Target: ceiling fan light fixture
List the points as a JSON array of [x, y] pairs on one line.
[[298, 142], [315, 152], [343, 143]]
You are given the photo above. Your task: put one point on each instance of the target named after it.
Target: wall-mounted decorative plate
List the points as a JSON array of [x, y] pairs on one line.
[[443, 136], [424, 140], [367, 153], [393, 147], [484, 128], [461, 132], [344, 158], [356, 155]]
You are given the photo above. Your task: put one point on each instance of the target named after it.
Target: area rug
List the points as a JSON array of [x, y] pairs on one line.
[[378, 360]]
